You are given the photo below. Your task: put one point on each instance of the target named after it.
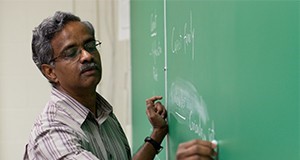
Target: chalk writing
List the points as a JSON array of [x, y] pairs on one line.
[[156, 49], [189, 109], [183, 41]]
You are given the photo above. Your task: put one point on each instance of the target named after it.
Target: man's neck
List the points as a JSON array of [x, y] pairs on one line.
[[85, 97], [88, 100]]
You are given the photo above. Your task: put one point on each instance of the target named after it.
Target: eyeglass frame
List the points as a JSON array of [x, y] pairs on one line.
[[78, 51]]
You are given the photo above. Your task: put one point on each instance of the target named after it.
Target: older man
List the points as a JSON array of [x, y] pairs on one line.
[[77, 122]]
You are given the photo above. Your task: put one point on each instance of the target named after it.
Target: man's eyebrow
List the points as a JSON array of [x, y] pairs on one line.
[[88, 40], [71, 45]]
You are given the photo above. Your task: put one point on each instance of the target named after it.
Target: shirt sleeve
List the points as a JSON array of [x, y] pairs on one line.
[[58, 143]]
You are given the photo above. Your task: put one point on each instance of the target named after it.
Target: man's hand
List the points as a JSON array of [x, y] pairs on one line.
[[196, 150], [157, 114]]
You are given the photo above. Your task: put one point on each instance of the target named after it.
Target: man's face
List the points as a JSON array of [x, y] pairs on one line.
[[72, 75]]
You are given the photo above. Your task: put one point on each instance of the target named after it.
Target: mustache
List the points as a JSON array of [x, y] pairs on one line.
[[89, 66]]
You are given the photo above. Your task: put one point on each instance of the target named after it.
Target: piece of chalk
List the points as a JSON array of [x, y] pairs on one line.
[[214, 142]]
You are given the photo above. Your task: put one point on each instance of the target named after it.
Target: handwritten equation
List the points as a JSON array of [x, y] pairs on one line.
[[156, 49], [189, 109], [183, 40]]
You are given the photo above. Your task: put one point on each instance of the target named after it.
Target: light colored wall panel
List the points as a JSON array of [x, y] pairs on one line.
[[24, 91]]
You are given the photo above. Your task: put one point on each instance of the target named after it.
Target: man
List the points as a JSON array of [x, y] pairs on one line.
[[77, 122]]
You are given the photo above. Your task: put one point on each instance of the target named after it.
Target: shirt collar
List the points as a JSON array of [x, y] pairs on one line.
[[77, 111]]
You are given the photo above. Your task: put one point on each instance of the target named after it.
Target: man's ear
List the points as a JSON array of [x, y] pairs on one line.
[[49, 73]]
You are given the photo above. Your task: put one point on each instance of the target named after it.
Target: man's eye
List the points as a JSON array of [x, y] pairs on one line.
[[90, 46], [70, 53]]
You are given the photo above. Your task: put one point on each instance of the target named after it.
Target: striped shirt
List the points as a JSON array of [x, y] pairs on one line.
[[68, 130]]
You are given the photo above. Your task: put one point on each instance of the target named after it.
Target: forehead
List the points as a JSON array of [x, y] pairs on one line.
[[73, 30]]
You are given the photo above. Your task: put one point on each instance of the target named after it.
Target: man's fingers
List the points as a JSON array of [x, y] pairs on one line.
[[196, 148], [150, 101], [160, 109], [199, 142], [155, 107]]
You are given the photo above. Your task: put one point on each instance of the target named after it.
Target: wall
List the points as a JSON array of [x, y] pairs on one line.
[[23, 89]]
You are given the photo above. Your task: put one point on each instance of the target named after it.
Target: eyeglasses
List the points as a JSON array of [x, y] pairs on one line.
[[73, 52]]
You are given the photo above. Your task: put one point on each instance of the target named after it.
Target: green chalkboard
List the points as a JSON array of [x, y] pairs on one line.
[[232, 74]]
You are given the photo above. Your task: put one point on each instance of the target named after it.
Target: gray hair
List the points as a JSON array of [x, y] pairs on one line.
[[42, 51]]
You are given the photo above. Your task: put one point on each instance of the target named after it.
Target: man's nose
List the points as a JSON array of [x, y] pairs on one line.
[[86, 56]]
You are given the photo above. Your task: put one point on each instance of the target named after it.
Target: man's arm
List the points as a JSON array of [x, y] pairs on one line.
[[157, 114], [195, 149]]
